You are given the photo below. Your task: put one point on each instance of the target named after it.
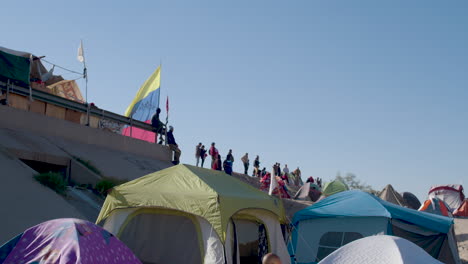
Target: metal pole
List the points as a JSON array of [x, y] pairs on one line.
[[7, 91]]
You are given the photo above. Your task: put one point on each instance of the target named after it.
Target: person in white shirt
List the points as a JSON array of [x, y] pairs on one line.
[[286, 169]]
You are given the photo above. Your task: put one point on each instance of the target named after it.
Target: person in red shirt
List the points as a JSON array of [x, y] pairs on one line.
[[214, 154]]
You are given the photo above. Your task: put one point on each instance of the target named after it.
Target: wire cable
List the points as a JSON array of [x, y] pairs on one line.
[[63, 68]]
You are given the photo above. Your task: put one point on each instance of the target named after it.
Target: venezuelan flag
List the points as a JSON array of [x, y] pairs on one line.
[[144, 106]]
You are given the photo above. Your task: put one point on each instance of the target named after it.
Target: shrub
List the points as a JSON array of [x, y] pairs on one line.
[[105, 185], [52, 180]]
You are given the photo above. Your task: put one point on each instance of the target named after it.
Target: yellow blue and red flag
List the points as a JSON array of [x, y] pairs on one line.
[[144, 106]]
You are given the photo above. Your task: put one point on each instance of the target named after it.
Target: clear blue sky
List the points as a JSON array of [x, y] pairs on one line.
[[376, 88]]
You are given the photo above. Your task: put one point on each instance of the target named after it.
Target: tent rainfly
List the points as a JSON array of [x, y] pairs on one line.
[[344, 217], [187, 214]]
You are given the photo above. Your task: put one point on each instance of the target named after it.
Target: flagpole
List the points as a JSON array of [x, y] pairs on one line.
[[82, 58], [167, 110]]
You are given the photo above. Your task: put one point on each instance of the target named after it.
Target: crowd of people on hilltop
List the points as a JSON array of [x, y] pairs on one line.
[[282, 176]]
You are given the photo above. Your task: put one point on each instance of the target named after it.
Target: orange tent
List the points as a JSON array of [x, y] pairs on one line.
[[435, 206], [462, 211]]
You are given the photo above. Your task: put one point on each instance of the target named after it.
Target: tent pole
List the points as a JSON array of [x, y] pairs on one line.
[[7, 91]]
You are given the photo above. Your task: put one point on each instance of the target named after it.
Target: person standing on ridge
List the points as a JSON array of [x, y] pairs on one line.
[[213, 153], [197, 152], [230, 157], [256, 165], [297, 173], [219, 163], [278, 169], [245, 160], [173, 145], [202, 155], [286, 169]]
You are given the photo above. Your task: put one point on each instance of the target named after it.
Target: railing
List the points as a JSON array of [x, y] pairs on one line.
[[73, 105]]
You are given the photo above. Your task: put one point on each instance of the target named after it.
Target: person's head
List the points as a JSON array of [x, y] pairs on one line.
[[257, 157], [285, 165], [247, 154], [271, 258], [213, 144], [230, 151], [158, 111], [199, 144], [203, 146], [171, 128]]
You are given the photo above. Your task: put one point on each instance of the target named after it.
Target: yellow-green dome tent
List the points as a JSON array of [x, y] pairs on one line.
[[333, 187], [182, 196]]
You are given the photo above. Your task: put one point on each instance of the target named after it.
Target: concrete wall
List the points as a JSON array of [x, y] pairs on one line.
[[25, 202], [50, 126], [82, 175]]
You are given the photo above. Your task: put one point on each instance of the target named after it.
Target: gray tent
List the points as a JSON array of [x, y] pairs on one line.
[[390, 195], [411, 201]]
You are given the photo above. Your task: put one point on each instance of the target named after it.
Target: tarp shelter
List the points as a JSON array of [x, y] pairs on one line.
[[451, 194], [308, 191], [411, 200], [333, 187], [67, 241], [187, 214], [14, 68], [462, 211], [436, 206], [339, 219], [390, 195], [380, 250]]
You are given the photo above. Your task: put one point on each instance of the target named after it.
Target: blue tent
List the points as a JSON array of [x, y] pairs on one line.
[[346, 216]]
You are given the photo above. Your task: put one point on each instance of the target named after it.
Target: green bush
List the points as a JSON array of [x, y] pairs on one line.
[[89, 165], [105, 185], [53, 180]]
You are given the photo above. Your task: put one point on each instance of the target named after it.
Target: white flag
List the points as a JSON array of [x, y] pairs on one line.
[[273, 183], [80, 56]]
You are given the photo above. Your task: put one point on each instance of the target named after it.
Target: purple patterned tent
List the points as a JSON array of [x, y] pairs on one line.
[[67, 241]]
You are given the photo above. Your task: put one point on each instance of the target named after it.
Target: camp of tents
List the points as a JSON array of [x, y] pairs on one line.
[[187, 214]]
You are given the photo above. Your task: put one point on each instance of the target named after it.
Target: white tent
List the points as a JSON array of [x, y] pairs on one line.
[[380, 250], [451, 194]]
